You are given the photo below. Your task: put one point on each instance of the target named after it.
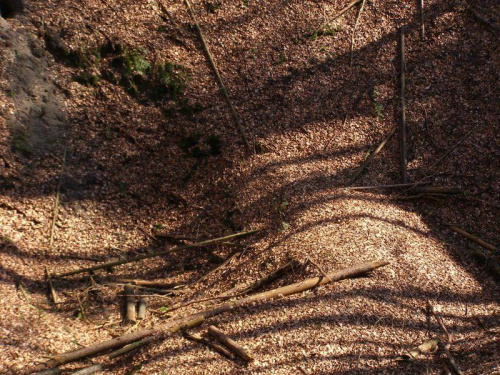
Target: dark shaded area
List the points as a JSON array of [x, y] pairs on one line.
[[206, 157], [10, 8]]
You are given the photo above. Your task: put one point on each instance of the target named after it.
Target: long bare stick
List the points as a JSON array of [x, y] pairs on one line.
[[447, 345], [237, 119], [404, 154], [198, 318], [252, 287], [56, 204], [153, 255], [473, 238], [371, 157], [230, 343], [210, 344], [130, 347], [353, 36], [422, 21]]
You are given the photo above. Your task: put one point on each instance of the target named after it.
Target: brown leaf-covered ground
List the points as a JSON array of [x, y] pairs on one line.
[[142, 158]]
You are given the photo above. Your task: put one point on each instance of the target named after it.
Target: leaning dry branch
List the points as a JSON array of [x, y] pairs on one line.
[[212, 345], [371, 157], [53, 292], [340, 13], [120, 342], [56, 204], [232, 345], [198, 318], [268, 279], [422, 21], [471, 237], [404, 152], [353, 36], [153, 255], [447, 344], [251, 288], [237, 119]]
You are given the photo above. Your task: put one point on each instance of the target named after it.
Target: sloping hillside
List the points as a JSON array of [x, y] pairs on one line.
[[112, 110]]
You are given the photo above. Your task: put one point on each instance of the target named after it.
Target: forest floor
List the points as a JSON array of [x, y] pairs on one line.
[[126, 89]]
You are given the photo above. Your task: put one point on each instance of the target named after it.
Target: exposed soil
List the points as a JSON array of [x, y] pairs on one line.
[[126, 89]]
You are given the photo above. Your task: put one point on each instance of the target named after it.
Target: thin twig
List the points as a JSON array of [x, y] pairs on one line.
[[340, 13], [371, 157], [447, 345], [219, 349], [56, 204], [323, 273], [422, 21], [353, 36], [404, 154], [153, 255], [236, 117], [81, 306]]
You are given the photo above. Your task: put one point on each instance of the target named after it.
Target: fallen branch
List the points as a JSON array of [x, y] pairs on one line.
[[340, 13], [404, 152], [211, 272], [89, 370], [148, 284], [371, 157], [232, 345], [56, 204], [422, 21], [318, 267], [268, 279], [354, 30], [119, 342], [236, 117], [447, 345], [153, 255], [130, 347], [198, 318], [253, 287], [212, 345], [471, 237]]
